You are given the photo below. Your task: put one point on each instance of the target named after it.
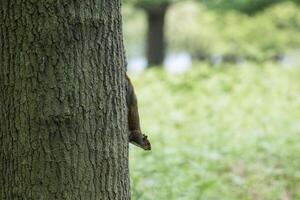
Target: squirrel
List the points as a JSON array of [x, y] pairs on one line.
[[136, 136]]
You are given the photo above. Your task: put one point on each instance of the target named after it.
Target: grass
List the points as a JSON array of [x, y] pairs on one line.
[[227, 133]]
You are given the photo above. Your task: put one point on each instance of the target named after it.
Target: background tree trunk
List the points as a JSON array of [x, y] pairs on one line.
[[63, 127], [156, 37]]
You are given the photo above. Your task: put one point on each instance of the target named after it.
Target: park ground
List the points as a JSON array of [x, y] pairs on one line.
[[219, 133]]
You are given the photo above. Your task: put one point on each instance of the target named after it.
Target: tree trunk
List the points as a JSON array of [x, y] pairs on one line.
[[155, 37], [63, 127]]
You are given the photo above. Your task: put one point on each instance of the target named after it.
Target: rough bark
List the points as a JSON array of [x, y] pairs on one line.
[[63, 126], [155, 36]]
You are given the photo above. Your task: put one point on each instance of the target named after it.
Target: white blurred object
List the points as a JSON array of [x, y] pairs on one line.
[[137, 64], [216, 59], [174, 63], [291, 59], [178, 62]]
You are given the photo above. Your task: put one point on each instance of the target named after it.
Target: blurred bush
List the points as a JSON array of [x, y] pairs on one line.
[[232, 35], [229, 133], [134, 30]]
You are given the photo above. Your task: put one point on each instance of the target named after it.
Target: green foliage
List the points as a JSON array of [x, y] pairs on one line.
[[196, 29], [219, 133], [244, 6], [204, 33], [134, 30], [272, 32], [149, 3]]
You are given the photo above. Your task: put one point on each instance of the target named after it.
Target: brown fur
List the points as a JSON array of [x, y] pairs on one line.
[[135, 136]]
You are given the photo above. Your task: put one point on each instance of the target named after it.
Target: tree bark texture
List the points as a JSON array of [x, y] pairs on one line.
[[63, 122], [156, 37]]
